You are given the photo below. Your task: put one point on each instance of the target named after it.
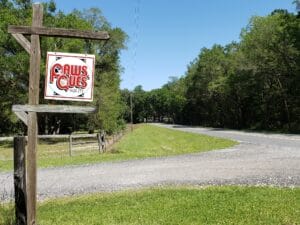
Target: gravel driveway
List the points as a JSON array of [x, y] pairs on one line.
[[259, 159]]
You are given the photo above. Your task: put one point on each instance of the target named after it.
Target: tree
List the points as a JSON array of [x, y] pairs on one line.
[[14, 67], [297, 3], [271, 47], [253, 84]]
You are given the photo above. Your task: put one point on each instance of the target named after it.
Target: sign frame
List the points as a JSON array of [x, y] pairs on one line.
[[51, 87]]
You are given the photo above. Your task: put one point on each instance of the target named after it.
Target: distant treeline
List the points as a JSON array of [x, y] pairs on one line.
[[252, 84], [14, 67]]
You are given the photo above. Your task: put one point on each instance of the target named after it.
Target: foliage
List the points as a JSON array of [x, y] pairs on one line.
[[252, 84], [161, 104], [271, 46], [14, 66], [183, 205]]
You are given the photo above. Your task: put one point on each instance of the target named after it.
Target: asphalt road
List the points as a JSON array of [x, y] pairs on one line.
[[259, 159]]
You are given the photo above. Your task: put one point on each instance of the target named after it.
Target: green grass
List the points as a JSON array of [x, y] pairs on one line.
[[171, 206], [7, 214], [144, 141], [153, 141]]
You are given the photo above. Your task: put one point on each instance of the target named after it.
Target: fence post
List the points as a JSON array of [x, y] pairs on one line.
[[99, 143], [70, 145], [103, 142], [20, 180]]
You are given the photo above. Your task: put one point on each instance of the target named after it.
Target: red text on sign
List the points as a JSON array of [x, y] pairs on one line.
[[69, 76]]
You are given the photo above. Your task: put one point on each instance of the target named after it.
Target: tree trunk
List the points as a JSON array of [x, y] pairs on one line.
[[285, 104]]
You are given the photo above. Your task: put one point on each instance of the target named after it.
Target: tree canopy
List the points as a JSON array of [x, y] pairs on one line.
[[14, 66], [250, 84]]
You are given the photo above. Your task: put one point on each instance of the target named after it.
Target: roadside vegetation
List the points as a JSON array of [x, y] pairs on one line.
[[153, 141], [250, 84], [187, 205], [144, 141], [14, 67]]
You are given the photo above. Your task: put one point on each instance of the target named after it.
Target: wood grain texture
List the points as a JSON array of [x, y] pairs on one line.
[[23, 42], [20, 180], [23, 116], [33, 99], [99, 143], [65, 136], [54, 108], [59, 32], [70, 145]]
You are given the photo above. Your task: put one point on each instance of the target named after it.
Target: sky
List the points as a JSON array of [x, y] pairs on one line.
[[166, 35]]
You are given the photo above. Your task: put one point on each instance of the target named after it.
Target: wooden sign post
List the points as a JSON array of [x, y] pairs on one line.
[[32, 128], [29, 115]]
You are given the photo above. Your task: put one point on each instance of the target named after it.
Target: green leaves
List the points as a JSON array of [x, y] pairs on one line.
[[14, 66], [253, 84]]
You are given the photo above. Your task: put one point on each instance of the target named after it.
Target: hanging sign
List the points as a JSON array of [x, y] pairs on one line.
[[69, 76]]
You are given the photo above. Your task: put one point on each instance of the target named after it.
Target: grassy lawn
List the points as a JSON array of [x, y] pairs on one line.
[[144, 141], [153, 141], [213, 205]]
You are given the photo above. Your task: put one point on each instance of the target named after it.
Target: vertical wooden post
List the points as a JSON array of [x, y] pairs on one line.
[[70, 145], [30, 120], [20, 180], [99, 142], [34, 80], [103, 142]]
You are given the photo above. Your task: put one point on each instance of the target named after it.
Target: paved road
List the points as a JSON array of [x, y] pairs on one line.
[[259, 159]]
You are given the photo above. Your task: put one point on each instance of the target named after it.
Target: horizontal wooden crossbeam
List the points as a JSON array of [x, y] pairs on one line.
[[54, 108], [59, 32], [22, 110]]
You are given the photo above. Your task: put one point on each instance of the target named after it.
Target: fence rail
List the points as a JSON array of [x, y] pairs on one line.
[[6, 139], [102, 141], [55, 136]]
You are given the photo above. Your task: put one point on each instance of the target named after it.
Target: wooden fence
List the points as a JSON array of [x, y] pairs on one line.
[[101, 141]]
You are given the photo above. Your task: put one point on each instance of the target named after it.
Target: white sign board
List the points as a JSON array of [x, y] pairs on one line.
[[69, 76]]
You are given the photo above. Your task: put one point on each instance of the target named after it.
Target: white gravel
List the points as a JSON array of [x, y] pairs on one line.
[[259, 159]]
